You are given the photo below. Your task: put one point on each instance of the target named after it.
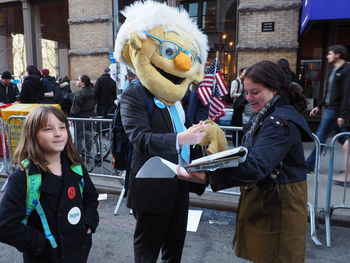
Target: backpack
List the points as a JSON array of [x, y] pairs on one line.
[[57, 92], [33, 197], [67, 95], [121, 148]]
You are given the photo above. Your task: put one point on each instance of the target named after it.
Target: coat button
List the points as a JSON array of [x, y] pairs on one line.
[[278, 123], [272, 117]]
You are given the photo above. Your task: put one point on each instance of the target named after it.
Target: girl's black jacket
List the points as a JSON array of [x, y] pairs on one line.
[[72, 239]]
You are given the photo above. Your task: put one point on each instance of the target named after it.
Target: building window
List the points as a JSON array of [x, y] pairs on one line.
[[209, 15], [202, 12]]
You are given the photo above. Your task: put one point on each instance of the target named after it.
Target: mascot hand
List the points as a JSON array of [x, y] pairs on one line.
[[215, 138]]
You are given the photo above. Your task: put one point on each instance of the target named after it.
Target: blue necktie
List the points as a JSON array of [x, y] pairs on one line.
[[179, 127]]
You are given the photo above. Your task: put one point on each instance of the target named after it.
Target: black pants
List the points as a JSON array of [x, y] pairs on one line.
[[166, 232], [104, 110]]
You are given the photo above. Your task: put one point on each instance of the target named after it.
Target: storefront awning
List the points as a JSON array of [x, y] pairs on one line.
[[323, 10]]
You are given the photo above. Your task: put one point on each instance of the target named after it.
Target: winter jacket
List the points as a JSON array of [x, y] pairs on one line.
[[83, 103], [32, 90], [340, 96], [272, 213], [71, 236], [8, 94], [105, 90]]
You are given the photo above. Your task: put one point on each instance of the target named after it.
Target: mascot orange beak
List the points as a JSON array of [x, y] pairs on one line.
[[183, 62]]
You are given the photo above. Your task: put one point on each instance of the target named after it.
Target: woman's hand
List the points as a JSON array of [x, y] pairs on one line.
[[89, 231], [194, 177]]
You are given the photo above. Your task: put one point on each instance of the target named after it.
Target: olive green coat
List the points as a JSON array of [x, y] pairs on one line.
[[279, 217]]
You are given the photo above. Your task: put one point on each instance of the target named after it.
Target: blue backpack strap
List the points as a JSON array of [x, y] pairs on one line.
[[77, 168], [33, 202], [46, 227], [33, 193]]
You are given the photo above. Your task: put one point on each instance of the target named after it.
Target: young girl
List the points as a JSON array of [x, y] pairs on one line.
[[67, 196]]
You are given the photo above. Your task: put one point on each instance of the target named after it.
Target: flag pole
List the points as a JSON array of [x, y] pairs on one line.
[[216, 64]]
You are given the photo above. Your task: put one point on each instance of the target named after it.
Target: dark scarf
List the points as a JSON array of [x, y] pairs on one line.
[[255, 121]]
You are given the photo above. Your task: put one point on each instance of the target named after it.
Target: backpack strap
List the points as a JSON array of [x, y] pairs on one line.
[[77, 168], [33, 202]]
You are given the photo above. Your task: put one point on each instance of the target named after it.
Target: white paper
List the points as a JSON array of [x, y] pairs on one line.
[[221, 155], [194, 216], [157, 167], [102, 197]]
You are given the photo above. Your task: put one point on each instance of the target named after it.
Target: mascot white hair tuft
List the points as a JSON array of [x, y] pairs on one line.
[[143, 16]]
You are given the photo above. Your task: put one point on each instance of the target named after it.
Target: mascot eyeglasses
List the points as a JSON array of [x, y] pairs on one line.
[[170, 50]]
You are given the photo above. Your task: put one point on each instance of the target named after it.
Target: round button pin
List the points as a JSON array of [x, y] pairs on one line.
[[71, 192]]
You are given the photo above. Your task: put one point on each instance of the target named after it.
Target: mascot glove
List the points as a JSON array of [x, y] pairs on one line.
[[215, 138]]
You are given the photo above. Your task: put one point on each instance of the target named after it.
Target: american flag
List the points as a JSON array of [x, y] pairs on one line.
[[209, 94]]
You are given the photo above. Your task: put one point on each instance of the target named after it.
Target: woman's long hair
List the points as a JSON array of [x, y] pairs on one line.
[[29, 147], [271, 76], [86, 80]]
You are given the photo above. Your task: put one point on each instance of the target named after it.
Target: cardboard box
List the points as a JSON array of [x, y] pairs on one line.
[[15, 125]]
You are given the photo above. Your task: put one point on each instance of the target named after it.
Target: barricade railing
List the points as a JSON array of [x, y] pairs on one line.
[[329, 207], [4, 163], [313, 207]]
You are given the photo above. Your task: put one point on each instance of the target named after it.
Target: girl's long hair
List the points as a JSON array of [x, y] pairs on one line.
[[28, 146]]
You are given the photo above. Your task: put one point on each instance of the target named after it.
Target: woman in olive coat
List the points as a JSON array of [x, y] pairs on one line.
[[272, 214]]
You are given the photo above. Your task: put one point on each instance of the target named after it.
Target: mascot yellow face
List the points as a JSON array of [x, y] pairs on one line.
[[167, 53]]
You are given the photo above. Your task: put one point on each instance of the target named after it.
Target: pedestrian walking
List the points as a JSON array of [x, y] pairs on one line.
[[335, 103], [272, 213], [51, 176]]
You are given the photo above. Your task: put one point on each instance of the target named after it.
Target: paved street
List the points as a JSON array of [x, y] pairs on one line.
[[210, 244]]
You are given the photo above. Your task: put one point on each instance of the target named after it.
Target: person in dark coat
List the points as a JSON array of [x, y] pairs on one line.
[[194, 109], [105, 93], [83, 107], [8, 91], [335, 102], [49, 86], [289, 75], [272, 213], [71, 214], [32, 90]]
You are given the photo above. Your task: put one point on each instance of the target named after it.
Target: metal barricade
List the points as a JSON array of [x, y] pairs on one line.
[[313, 208], [4, 163], [329, 207]]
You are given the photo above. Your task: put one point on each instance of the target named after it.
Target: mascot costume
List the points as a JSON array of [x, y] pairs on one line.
[[167, 51]]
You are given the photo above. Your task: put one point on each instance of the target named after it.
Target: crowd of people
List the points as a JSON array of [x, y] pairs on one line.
[[39, 87]]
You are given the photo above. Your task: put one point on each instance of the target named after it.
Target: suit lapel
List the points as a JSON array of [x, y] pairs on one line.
[[166, 116]]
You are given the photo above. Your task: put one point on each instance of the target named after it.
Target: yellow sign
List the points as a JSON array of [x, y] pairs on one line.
[[15, 124]]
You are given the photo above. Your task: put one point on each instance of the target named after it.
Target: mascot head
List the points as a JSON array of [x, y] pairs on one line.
[[163, 46]]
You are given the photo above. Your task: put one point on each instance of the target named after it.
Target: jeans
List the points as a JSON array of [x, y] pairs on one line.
[[327, 126]]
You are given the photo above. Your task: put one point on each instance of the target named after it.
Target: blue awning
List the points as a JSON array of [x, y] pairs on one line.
[[323, 10]]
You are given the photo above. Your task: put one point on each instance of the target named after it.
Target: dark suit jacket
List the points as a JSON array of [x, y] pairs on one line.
[[150, 137]]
